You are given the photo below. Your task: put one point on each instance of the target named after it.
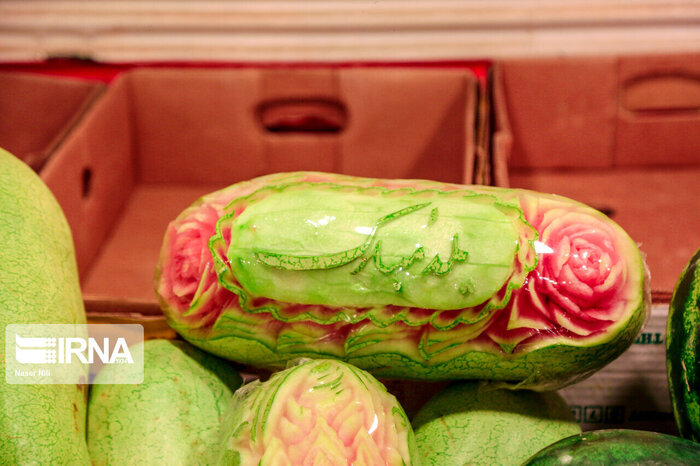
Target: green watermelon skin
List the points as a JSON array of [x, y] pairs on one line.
[[39, 424], [682, 342], [472, 423], [618, 446], [173, 417]]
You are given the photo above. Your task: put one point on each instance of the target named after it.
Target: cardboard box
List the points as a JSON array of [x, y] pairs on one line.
[[39, 111], [160, 138], [617, 133]]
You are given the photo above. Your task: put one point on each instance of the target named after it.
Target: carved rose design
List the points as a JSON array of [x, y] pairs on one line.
[[188, 282], [579, 273]]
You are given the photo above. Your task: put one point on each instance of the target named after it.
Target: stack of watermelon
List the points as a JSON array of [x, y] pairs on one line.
[[327, 283]]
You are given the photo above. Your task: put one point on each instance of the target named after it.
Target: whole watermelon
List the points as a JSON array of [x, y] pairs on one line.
[[682, 350], [173, 417], [473, 423], [618, 447], [39, 423]]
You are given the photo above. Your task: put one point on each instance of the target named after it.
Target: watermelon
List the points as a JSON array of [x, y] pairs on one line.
[[474, 423], [682, 342], [173, 417], [39, 423], [316, 412], [407, 279], [618, 446]]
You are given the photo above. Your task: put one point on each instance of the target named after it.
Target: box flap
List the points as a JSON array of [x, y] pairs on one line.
[[39, 111]]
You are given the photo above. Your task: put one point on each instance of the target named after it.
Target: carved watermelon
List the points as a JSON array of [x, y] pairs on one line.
[[405, 278], [317, 412]]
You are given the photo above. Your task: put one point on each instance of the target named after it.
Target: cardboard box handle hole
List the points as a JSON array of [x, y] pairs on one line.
[[662, 95], [303, 116], [86, 182], [606, 210]]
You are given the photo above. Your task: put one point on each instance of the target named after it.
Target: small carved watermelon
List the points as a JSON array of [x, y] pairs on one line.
[[405, 278], [317, 412], [682, 342], [471, 423]]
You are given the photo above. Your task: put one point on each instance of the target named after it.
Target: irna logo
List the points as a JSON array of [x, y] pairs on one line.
[[51, 350], [73, 353]]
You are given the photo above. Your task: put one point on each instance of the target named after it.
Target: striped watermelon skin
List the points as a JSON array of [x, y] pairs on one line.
[[682, 349], [550, 324]]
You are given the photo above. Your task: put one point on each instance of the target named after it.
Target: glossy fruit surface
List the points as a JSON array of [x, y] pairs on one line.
[[405, 278], [317, 412]]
